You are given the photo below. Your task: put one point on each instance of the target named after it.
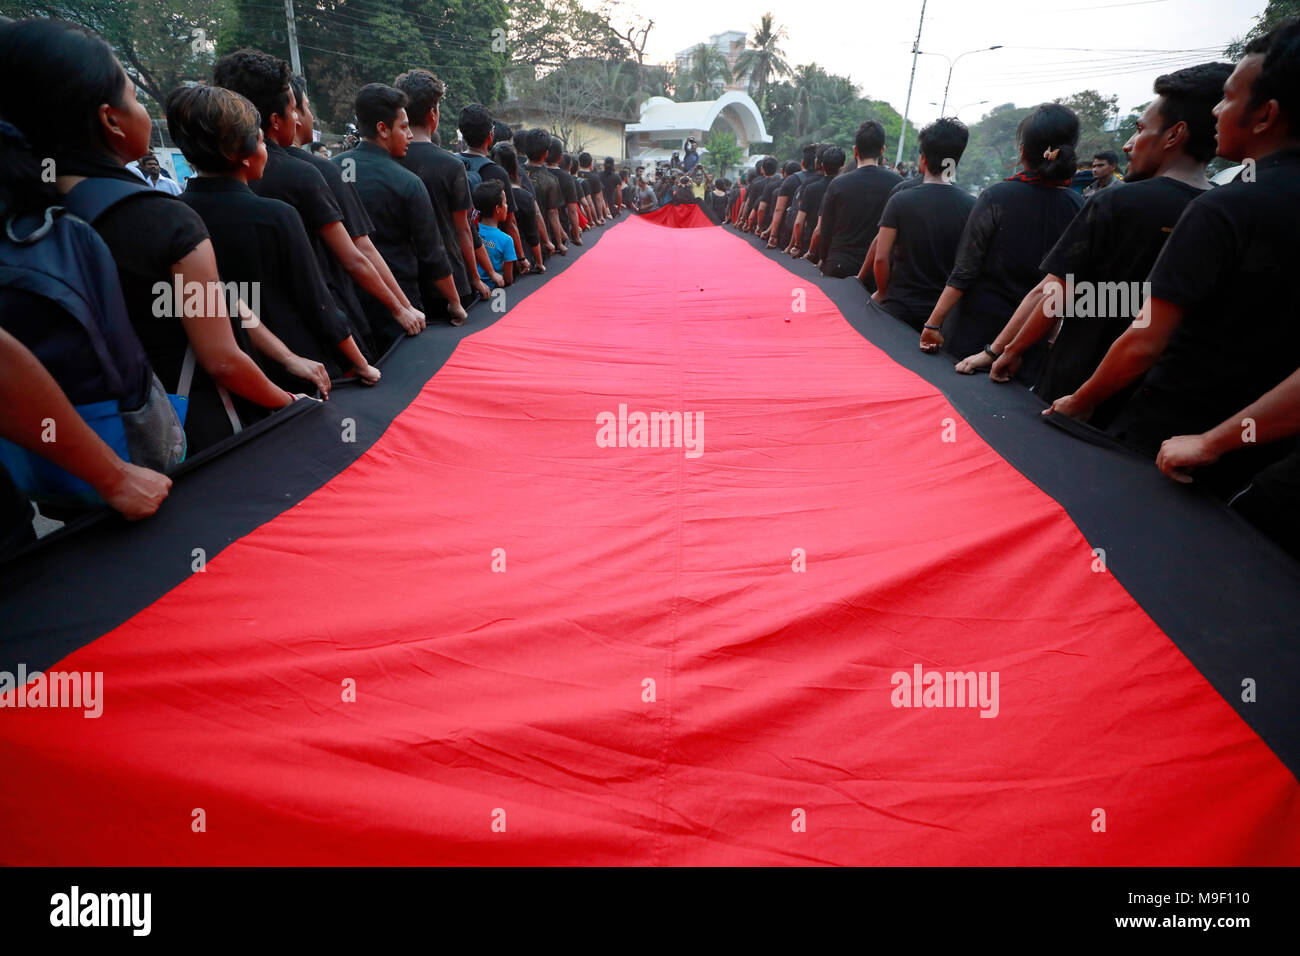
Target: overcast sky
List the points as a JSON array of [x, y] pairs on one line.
[[871, 42]]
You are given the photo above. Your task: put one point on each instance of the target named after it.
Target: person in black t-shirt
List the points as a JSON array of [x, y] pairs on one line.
[[1219, 328], [568, 191], [443, 175], [596, 189], [613, 184], [67, 93], [260, 243], [767, 205], [526, 205], [355, 220], [766, 169], [1114, 240], [546, 188], [830, 160], [921, 227], [265, 81], [1011, 228], [785, 210], [406, 230], [851, 208], [477, 126]]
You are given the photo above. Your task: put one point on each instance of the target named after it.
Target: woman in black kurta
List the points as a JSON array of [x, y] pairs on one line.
[[1012, 227]]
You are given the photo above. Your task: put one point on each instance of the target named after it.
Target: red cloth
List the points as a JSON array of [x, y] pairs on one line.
[[688, 216], [524, 692]]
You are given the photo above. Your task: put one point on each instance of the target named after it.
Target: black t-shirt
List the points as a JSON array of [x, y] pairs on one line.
[[929, 220], [445, 180], [612, 183], [357, 222], [1230, 265], [406, 233], [546, 188], [527, 218], [790, 188], [1009, 231], [147, 234], [297, 182], [262, 242], [911, 182], [568, 192], [810, 204], [850, 216], [1115, 238], [355, 218]]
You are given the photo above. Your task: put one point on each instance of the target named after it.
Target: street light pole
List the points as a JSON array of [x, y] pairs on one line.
[[916, 49], [953, 63]]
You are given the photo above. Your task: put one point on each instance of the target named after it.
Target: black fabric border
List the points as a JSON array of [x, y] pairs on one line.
[[1226, 595], [75, 585]]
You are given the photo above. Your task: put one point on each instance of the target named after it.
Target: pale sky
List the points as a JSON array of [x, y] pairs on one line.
[[871, 41]]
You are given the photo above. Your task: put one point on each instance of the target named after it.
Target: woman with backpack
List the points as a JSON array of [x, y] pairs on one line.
[[63, 88]]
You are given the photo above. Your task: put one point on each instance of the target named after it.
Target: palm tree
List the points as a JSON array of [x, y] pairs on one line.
[[764, 60], [708, 66]]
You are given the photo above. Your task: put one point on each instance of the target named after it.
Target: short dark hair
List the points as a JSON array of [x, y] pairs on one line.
[[488, 195], [566, 161], [476, 125], [299, 87], [424, 92], [501, 132], [377, 103], [791, 167], [1108, 155], [214, 127], [554, 150], [1279, 77], [944, 139], [832, 159], [609, 164], [810, 156], [505, 156], [869, 140], [584, 158], [260, 78], [1189, 96], [769, 166], [536, 143], [316, 146]]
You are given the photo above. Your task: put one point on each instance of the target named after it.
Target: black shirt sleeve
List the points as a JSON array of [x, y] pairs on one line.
[[980, 229], [300, 269], [313, 198]]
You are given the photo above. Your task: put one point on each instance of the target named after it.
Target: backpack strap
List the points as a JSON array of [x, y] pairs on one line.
[[93, 197]]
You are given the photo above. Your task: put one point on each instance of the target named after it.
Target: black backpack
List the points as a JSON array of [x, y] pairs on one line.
[[64, 260]]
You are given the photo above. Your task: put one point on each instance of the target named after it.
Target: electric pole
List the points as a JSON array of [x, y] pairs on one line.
[[916, 47], [294, 60]]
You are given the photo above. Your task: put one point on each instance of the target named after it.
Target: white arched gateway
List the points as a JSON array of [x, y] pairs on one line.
[[665, 125]]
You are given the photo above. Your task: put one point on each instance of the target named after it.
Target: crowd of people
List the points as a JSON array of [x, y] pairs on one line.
[[143, 321], [1150, 305], [1153, 306]]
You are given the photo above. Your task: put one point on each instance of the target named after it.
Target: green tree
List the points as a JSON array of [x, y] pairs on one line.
[[723, 152], [708, 73], [161, 43], [1274, 13], [764, 60]]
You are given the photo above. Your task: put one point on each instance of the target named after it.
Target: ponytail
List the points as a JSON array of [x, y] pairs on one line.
[[1048, 137], [1058, 163]]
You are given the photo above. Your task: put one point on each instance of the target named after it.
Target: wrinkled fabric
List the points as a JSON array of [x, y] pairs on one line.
[[565, 650]]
